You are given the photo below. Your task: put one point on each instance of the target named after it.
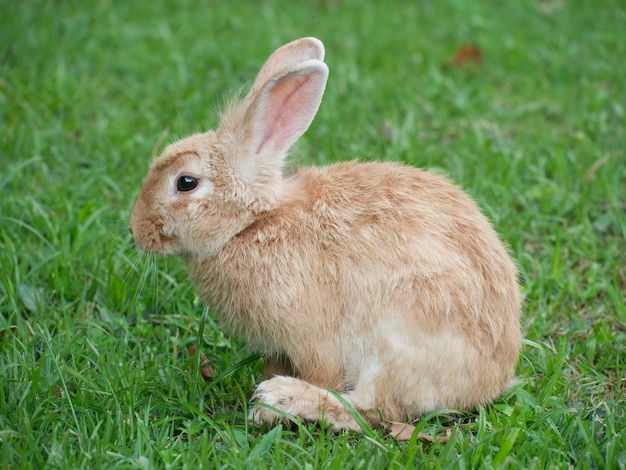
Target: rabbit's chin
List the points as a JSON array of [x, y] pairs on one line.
[[164, 249]]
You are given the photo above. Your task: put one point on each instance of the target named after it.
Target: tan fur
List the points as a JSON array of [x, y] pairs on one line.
[[381, 281]]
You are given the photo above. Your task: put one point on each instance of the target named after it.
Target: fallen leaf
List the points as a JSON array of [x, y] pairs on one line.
[[399, 431], [402, 432], [206, 366], [466, 55]]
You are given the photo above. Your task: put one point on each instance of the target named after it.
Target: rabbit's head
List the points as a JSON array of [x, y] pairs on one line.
[[205, 189]]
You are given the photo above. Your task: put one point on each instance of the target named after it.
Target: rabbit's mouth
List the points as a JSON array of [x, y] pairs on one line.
[[148, 236]]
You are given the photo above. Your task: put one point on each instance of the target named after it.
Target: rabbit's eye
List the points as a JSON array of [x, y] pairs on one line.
[[186, 183]]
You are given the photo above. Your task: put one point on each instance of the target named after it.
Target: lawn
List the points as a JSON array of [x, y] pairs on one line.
[[94, 363]]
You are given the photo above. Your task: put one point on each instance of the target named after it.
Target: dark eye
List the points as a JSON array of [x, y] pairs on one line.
[[186, 183]]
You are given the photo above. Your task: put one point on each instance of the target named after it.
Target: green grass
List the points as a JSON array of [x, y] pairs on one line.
[[94, 366]]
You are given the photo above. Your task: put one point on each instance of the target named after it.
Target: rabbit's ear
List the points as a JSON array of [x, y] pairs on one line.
[[262, 131], [285, 57]]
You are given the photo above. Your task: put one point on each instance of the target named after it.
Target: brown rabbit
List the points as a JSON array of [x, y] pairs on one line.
[[381, 281]]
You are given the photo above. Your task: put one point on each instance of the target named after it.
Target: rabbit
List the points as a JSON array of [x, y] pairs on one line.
[[378, 284]]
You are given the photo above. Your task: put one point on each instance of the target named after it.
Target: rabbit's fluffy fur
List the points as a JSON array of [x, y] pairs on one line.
[[380, 281]]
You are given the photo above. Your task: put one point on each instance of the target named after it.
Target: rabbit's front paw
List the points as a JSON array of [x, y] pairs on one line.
[[281, 397], [287, 395]]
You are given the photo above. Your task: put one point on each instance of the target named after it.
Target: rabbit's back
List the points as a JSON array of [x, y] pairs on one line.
[[404, 237]]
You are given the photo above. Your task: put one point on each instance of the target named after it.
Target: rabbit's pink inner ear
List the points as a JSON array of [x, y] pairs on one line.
[[283, 122], [289, 106]]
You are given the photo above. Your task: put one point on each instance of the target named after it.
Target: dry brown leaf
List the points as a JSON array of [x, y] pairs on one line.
[[399, 431], [206, 366], [466, 55], [402, 432]]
